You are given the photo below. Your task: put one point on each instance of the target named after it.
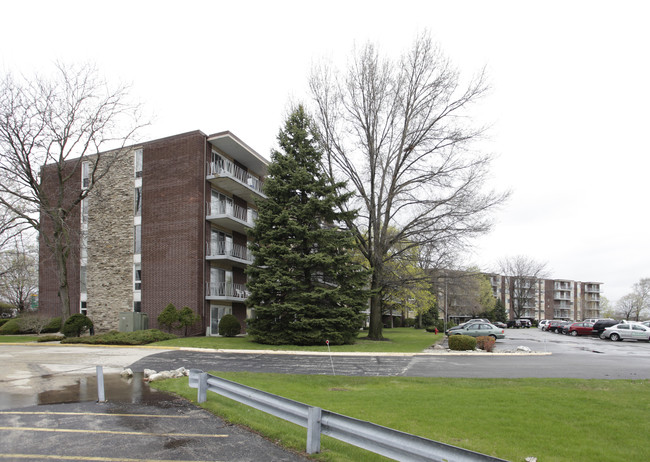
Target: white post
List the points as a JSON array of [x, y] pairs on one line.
[[101, 398]]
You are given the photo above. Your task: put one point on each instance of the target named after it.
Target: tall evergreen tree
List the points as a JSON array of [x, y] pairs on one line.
[[304, 286]]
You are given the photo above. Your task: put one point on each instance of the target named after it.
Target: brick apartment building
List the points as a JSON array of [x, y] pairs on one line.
[[166, 225], [549, 298]]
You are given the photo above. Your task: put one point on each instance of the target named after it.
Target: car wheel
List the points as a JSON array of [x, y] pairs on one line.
[[614, 337], [574, 333], [495, 337]]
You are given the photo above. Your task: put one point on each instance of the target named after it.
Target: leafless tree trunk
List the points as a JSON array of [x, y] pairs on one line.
[[397, 132], [48, 128], [627, 306], [523, 275]]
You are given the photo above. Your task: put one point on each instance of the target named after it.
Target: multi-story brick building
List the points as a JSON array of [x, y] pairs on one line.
[[548, 298], [166, 225]]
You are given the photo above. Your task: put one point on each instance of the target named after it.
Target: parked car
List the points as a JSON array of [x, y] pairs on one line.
[[600, 325], [459, 326], [564, 327], [517, 323], [500, 325], [631, 331], [580, 328], [543, 323], [479, 320], [553, 325], [479, 329]]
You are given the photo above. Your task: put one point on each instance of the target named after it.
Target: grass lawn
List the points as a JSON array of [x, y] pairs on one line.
[[400, 340], [551, 419], [18, 338]]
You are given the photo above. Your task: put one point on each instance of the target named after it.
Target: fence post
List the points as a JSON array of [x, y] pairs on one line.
[[100, 385], [313, 429], [203, 388]]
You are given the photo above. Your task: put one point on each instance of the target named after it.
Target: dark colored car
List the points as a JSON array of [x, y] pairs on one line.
[[602, 324], [518, 323], [501, 325], [580, 328], [553, 325]]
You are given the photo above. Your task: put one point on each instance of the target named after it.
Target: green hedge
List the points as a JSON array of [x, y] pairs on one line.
[[139, 337], [229, 326], [12, 327], [462, 343]]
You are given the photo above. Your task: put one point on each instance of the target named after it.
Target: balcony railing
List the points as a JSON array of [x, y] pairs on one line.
[[226, 289], [228, 168], [220, 249], [562, 296]]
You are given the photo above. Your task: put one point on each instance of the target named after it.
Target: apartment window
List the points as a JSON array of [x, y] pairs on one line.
[[137, 306], [137, 276], [138, 163], [84, 308], [84, 210], [137, 241], [82, 280], [85, 174], [138, 202]]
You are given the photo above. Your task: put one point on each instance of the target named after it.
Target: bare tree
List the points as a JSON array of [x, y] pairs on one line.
[[48, 128], [523, 275], [641, 291], [397, 131], [627, 306], [18, 274]]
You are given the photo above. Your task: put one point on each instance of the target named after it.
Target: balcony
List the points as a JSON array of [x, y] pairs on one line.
[[226, 291], [234, 179], [229, 216], [592, 288], [562, 296], [234, 253]]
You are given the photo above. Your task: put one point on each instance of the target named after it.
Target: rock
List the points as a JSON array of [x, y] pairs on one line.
[[127, 373], [531, 459], [524, 349], [148, 372]]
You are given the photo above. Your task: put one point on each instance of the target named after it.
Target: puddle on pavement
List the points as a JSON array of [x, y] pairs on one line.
[[116, 389]]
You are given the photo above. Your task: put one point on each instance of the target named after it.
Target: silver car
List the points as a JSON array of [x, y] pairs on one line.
[[479, 329], [627, 331]]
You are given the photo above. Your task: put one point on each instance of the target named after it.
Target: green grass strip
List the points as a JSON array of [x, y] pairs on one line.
[[551, 419]]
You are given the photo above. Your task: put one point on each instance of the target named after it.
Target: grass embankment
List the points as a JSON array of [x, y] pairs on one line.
[[400, 340], [18, 338], [551, 419]]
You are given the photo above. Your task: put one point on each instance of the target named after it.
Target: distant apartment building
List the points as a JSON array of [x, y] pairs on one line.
[[167, 225], [548, 298]]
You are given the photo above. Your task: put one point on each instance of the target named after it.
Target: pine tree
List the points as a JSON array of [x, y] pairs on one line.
[[305, 287]]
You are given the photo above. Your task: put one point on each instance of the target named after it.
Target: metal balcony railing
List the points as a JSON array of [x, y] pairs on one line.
[[226, 289], [227, 168], [219, 249], [229, 209]]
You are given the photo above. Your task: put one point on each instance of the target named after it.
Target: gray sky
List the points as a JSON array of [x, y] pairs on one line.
[[568, 106]]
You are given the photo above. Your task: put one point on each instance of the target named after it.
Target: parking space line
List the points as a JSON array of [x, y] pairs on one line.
[[99, 459], [109, 432]]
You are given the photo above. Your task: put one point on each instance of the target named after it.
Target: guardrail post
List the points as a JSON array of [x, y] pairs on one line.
[[100, 385], [313, 429], [203, 388]]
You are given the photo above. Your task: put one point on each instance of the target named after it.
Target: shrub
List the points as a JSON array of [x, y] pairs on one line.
[[485, 343], [3, 322], [462, 343], [76, 324], [168, 317], [187, 318], [53, 326], [33, 323], [12, 327], [229, 326], [139, 337], [397, 322], [50, 338]]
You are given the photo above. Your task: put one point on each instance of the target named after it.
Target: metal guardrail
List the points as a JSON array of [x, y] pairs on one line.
[[375, 438]]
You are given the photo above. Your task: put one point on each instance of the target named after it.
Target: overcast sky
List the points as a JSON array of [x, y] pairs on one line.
[[568, 106]]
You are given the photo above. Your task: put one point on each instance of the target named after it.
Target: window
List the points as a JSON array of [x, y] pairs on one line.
[[137, 241], [137, 276], [85, 175], [82, 280], [84, 210], [137, 306], [138, 202], [138, 163], [84, 309]]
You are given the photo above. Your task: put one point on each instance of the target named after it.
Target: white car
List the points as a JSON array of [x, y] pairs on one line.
[[627, 331], [543, 323]]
